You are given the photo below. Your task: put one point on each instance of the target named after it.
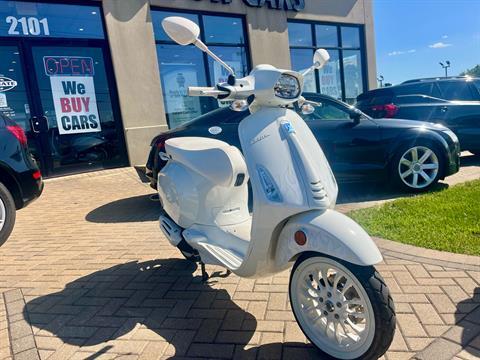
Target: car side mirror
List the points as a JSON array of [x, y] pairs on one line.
[[355, 115]]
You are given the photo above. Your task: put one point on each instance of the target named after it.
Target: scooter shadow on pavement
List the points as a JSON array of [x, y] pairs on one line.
[[467, 316], [133, 209], [164, 296]]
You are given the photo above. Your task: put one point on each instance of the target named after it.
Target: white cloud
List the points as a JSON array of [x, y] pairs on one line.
[[439, 45], [444, 36], [399, 52]]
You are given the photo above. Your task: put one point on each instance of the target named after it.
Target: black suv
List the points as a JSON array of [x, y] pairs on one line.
[[20, 179], [453, 102]]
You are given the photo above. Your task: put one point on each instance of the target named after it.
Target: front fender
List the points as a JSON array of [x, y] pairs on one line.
[[328, 232]]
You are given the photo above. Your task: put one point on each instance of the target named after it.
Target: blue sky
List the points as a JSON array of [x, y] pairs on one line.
[[412, 36]]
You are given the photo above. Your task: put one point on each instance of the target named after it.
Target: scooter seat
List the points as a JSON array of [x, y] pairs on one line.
[[211, 158]]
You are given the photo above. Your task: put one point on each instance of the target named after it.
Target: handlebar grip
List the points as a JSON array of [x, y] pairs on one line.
[[205, 91]]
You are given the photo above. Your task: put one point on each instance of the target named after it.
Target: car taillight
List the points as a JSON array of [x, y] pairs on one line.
[[390, 110], [18, 132], [37, 175]]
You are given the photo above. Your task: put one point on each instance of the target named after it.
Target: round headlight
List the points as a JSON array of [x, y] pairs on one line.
[[287, 87]]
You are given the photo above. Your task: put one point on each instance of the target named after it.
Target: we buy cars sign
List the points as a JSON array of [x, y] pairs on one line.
[[73, 92]]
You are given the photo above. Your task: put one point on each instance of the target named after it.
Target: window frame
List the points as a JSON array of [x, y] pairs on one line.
[[340, 48], [205, 56]]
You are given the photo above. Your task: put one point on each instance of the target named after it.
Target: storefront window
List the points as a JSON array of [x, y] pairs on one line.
[[343, 77], [61, 90], [352, 67], [184, 66], [29, 19]]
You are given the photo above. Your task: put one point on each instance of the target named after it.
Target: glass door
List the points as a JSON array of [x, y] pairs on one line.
[[76, 120], [15, 95]]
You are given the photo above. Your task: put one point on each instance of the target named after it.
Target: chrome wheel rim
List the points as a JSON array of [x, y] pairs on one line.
[[332, 308], [418, 167], [3, 214]]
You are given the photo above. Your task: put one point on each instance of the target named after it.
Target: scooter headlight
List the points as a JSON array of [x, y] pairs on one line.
[[287, 87]]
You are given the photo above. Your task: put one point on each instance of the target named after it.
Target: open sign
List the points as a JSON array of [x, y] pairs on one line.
[[6, 84], [68, 66]]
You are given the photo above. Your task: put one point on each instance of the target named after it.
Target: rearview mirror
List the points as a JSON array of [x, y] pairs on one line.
[[355, 115], [181, 30], [320, 58]]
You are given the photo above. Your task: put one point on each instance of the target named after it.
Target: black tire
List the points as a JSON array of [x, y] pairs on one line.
[[380, 298], [7, 202], [397, 181]]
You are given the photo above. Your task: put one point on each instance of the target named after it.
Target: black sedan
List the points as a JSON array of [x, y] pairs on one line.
[[20, 179], [413, 155]]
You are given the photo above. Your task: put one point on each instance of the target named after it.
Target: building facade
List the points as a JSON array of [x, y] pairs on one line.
[[92, 82]]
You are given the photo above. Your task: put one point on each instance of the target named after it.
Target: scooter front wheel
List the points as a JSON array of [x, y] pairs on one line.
[[345, 310]]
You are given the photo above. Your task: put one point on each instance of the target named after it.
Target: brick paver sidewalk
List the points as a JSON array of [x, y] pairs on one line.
[[87, 275]]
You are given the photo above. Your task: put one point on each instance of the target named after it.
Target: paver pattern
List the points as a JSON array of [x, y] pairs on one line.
[[88, 275]]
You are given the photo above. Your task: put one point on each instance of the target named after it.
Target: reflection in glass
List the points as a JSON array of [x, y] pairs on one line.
[[352, 67], [181, 67], [71, 152], [350, 37], [302, 60], [299, 34], [158, 16], [329, 77], [50, 20], [326, 35], [215, 30]]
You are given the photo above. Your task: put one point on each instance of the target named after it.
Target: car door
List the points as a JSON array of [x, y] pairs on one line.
[[353, 148]]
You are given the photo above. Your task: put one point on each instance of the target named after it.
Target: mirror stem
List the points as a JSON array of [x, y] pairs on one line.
[[198, 43]]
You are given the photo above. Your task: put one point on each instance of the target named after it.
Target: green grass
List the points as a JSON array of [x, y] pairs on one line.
[[447, 220]]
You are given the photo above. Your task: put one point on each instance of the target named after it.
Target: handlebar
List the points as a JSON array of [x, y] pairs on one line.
[[205, 91]]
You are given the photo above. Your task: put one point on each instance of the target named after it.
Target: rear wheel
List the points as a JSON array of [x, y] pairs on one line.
[[7, 213], [345, 310], [417, 167]]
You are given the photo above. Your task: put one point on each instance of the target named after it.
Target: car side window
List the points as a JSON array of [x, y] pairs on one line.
[[327, 111], [455, 90], [414, 89]]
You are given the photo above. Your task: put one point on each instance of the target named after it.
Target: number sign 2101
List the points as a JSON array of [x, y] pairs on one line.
[[29, 26]]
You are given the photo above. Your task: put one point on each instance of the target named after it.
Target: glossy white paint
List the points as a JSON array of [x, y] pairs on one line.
[[292, 183], [328, 232]]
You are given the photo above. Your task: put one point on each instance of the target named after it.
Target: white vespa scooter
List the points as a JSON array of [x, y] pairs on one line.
[[339, 300]]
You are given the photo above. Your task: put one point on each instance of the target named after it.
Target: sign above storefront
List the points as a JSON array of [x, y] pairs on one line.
[[296, 5]]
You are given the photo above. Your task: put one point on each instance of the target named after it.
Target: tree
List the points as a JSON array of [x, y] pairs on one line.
[[475, 71]]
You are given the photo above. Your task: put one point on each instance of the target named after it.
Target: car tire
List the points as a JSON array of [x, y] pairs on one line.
[[420, 172], [7, 214]]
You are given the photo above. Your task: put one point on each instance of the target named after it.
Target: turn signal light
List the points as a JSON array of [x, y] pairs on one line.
[[300, 238]]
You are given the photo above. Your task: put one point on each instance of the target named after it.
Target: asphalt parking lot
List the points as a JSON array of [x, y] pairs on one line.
[[88, 275]]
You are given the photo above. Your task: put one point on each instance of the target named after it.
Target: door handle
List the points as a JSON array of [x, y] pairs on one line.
[[443, 109], [44, 123], [39, 124], [35, 124]]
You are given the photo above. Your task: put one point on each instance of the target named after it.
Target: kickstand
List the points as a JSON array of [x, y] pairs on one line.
[[204, 273]]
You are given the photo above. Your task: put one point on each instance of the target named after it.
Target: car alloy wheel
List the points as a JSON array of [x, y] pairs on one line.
[[418, 167]]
